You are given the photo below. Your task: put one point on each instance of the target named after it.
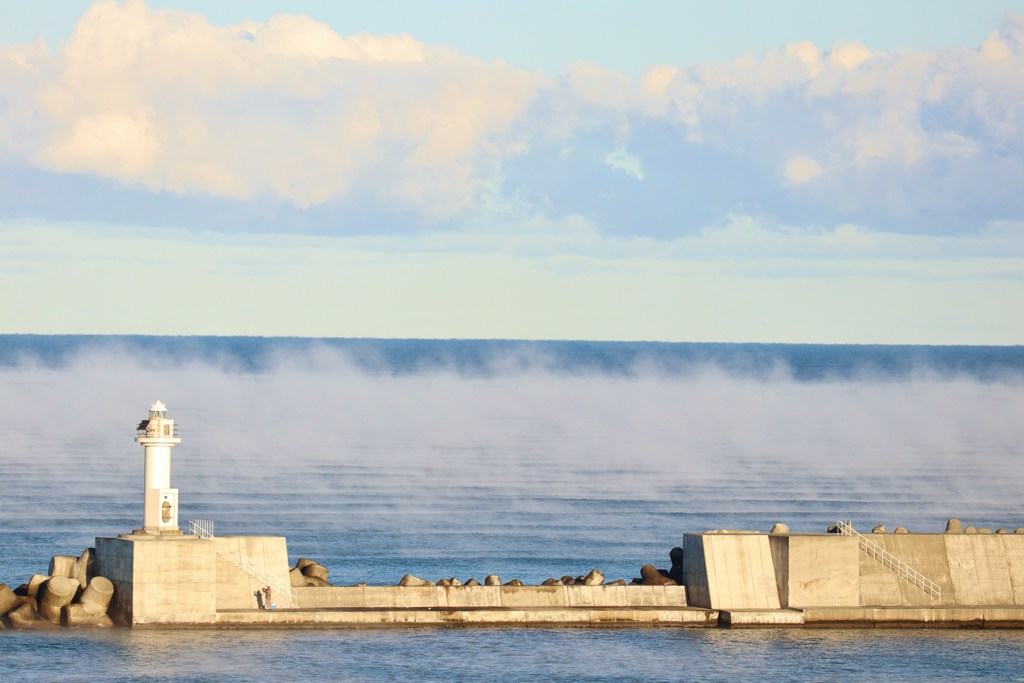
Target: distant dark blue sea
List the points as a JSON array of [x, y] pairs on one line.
[[526, 459]]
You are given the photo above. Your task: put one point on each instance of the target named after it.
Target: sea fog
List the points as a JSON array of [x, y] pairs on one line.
[[523, 463]]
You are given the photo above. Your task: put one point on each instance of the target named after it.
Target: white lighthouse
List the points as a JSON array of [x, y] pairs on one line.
[[158, 436]]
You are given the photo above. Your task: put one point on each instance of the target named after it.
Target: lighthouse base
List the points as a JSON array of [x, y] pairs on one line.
[[159, 579], [176, 579]]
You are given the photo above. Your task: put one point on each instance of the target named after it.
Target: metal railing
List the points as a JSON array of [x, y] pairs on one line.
[[153, 433], [890, 561], [203, 528]]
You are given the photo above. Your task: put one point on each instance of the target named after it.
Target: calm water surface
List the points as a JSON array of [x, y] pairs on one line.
[[517, 655]]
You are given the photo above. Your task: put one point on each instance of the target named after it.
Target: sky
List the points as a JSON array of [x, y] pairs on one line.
[[798, 172]]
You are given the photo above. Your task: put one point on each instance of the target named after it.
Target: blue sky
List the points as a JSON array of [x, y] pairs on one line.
[[625, 36], [737, 171]]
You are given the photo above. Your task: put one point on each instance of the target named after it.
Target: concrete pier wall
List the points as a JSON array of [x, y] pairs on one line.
[[729, 571], [516, 597], [749, 578], [581, 617]]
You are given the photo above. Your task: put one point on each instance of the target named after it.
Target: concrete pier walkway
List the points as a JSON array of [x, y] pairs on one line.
[[614, 617]]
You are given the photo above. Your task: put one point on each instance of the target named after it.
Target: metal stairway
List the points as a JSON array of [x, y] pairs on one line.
[[890, 561], [204, 529]]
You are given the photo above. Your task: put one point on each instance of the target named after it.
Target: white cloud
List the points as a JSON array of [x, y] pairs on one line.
[[1008, 40], [289, 110], [621, 160], [808, 53], [657, 79], [849, 55], [801, 169], [166, 100], [995, 49], [125, 144], [288, 35], [609, 90]]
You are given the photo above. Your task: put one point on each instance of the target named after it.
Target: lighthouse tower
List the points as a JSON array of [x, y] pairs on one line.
[[158, 436]]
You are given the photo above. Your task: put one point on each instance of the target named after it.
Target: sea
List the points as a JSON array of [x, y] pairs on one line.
[[442, 458]]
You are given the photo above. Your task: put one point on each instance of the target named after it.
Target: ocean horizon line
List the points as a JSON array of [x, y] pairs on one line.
[[513, 340]]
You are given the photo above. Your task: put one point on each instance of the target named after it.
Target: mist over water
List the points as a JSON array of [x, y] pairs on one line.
[[522, 460]]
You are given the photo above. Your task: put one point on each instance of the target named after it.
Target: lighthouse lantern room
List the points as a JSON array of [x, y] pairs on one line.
[[158, 436]]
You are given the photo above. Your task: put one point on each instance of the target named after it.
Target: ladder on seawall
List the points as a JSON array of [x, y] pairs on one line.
[[203, 528], [890, 561]]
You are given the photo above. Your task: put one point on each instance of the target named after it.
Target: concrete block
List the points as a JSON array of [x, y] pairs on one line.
[[85, 567], [778, 543], [35, 583], [73, 616], [97, 595], [816, 570], [695, 571], [62, 565], [297, 578], [316, 571], [57, 592], [1013, 545], [26, 617], [737, 573], [979, 569], [8, 600]]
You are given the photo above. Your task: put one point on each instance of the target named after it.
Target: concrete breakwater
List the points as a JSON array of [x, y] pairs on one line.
[[191, 581], [178, 580], [958, 578], [962, 576]]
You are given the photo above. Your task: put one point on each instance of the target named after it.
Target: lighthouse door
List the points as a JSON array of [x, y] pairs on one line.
[[168, 508]]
